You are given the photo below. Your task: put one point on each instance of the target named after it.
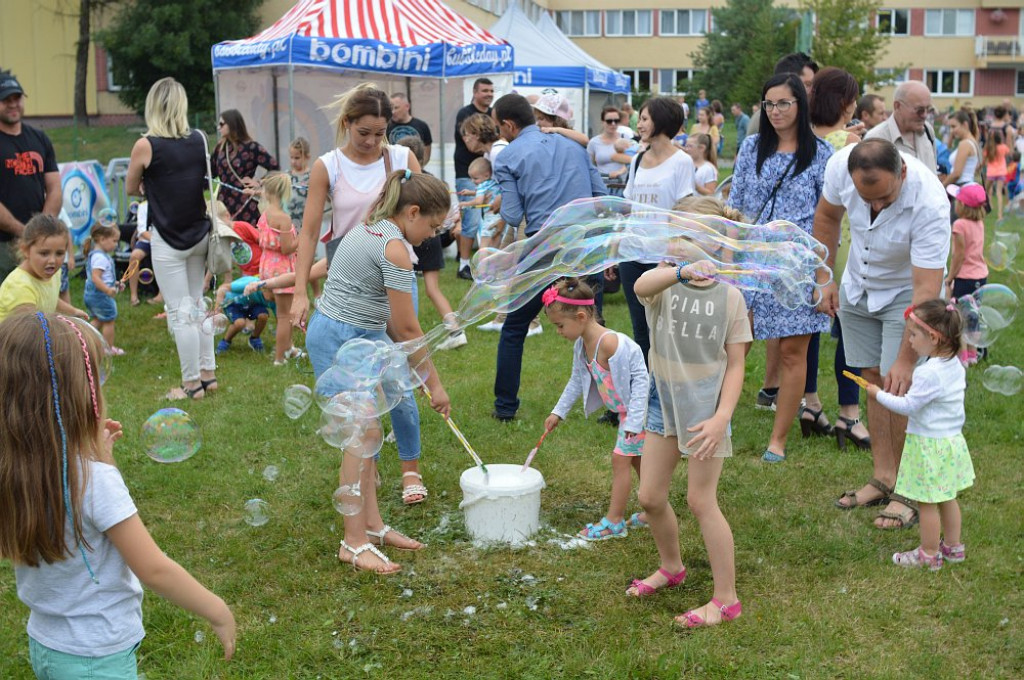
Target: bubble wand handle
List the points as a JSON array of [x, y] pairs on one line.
[[131, 270], [861, 382], [461, 437], [529, 458]]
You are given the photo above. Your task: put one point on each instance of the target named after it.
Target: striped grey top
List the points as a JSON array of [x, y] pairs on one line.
[[359, 276]]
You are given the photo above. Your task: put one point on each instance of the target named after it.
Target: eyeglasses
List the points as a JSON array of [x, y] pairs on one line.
[[782, 105], [920, 111], [612, 120], [221, 123]]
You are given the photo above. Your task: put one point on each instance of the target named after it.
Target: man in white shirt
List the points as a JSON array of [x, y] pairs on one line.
[[899, 242], [908, 126]]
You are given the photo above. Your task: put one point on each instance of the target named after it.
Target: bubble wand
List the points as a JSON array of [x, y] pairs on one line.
[[461, 437], [533, 451], [861, 382], [133, 267]]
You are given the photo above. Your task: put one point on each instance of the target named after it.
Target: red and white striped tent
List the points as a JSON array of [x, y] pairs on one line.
[[281, 78]]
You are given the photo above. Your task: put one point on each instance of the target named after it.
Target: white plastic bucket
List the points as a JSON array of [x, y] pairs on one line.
[[502, 506]]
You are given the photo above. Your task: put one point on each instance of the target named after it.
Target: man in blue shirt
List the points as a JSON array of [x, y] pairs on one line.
[[742, 123], [538, 173]]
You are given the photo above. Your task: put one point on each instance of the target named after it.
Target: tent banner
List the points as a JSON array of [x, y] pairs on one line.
[[548, 76], [607, 81], [435, 61]]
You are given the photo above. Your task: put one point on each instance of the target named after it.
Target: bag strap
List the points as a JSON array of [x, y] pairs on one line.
[[775, 190], [639, 157], [210, 207]]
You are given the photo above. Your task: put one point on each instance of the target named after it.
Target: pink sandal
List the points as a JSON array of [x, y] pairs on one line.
[[672, 580], [692, 620]]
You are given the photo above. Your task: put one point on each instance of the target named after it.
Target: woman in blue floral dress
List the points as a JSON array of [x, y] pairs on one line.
[[778, 176]]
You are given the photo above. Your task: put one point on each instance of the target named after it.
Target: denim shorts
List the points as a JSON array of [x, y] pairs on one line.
[[470, 216], [49, 664], [100, 305], [656, 423], [250, 312]]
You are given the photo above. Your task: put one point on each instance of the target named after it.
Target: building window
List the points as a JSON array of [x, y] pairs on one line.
[[677, 80], [641, 79], [1020, 83], [112, 82], [579, 23], [627, 22], [950, 82], [683, 22], [892, 76], [949, 22], [894, 21]]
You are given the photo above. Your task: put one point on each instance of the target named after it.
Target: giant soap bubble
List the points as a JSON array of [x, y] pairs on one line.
[[1002, 379], [987, 312], [170, 436]]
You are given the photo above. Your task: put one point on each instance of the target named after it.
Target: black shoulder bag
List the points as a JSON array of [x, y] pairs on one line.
[[772, 195]]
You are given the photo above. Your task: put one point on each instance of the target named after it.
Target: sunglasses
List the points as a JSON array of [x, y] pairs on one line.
[[612, 120], [221, 123], [920, 111]]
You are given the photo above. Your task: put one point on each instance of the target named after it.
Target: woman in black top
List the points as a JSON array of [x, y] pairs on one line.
[[168, 166]]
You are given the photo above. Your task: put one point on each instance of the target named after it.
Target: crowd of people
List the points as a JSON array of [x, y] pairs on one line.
[[356, 223]]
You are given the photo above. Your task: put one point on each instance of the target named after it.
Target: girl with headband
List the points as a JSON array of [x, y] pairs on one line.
[[608, 370], [936, 464], [67, 521]]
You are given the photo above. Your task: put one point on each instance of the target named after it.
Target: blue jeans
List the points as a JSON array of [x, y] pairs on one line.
[[470, 216], [849, 392], [629, 272], [49, 664], [323, 338], [510, 356]]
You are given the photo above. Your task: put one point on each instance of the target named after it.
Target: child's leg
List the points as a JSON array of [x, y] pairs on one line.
[[622, 482], [234, 329], [928, 515], [702, 499], [133, 281], [661, 455], [949, 514], [432, 282], [283, 336], [356, 525], [107, 330], [259, 325], [997, 189]]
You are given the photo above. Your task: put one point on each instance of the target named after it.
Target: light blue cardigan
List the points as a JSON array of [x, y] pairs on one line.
[[629, 374]]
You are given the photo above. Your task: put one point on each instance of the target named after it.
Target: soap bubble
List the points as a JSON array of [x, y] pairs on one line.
[[214, 324], [170, 436], [241, 253], [1002, 379], [199, 636], [348, 499], [334, 384], [350, 424], [362, 360], [257, 512], [998, 256], [146, 276], [270, 473], [986, 312], [107, 217], [297, 400]]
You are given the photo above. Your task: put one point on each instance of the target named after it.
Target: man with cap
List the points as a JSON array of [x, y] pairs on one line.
[[29, 179]]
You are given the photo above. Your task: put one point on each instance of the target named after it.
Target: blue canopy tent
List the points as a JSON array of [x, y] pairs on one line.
[[281, 79], [546, 58]]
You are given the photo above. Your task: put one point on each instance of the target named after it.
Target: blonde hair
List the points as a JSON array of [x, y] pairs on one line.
[[710, 153], [707, 205], [976, 214], [277, 187], [167, 110], [404, 188], [300, 144], [97, 232], [365, 99], [41, 227], [32, 508], [481, 165]]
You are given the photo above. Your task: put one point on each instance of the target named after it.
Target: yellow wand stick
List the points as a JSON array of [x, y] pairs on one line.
[[461, 437], [861, 382]]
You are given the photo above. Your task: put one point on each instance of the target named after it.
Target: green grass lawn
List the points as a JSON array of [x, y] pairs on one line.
[[821, 598]]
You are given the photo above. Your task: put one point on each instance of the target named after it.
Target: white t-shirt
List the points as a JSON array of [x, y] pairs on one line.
[[664, 185], [705, 173], [69, 612], [495, 150], [364, 177]]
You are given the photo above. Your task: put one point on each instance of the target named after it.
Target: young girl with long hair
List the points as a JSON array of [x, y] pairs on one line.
[[101, 284], [278, 242], [968, 270], [608, 370], [705, 163], [368, 294], [35, 284], [67, 520], [995, 169], [936, 464]]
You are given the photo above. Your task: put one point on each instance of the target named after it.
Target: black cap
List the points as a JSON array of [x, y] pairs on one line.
[[9, 85]]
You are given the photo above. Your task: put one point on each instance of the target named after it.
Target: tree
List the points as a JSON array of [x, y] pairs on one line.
[[844, 37], [749, 37], [152, 39]]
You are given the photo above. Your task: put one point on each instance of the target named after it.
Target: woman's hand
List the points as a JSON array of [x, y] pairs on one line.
[[299, 311], [440, 402]]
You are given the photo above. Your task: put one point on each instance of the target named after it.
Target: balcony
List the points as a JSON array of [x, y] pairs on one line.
[[999, 50]]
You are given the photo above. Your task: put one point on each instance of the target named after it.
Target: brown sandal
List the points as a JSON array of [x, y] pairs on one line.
[[852, 495], [905, 519]]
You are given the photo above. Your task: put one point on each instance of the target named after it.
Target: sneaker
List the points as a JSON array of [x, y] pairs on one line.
[[464, 273], [256, 344], [952, 553], [454, 341], [294, 353], [535, 329], [765, 400], [223, 346], [610, 418], [492, 325], [918, 558], [502, 418]]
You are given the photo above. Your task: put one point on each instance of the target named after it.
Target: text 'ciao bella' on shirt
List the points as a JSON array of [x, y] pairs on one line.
[[692, 317]]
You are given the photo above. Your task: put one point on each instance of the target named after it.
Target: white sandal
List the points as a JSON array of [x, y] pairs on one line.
[[356, 552], [413, 489], [379, 535]]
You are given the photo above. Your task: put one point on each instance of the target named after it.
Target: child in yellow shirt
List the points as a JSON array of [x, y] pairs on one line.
[[34, 286]]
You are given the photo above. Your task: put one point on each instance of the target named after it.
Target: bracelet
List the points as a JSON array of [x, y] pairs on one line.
[[679, 274], [261, 284]]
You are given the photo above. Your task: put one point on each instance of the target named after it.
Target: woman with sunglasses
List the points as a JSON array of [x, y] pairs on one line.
[[235, 161], [778, 175], [610, 163]]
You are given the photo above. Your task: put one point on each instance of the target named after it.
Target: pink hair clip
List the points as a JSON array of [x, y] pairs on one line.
[[551, 296]]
